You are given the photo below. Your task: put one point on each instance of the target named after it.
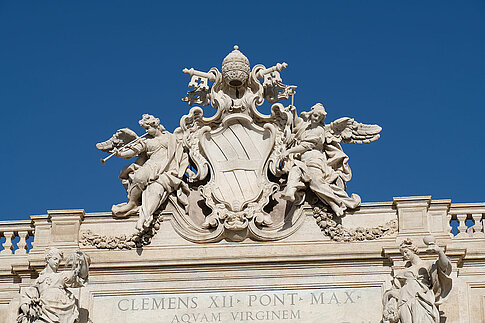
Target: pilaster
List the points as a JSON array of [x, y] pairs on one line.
[[65, 228], [413, 215]]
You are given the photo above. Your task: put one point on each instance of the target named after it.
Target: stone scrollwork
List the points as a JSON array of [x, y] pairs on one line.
[[246, 182], [234, 150], [50, 300], [420, 287], [239, 173]]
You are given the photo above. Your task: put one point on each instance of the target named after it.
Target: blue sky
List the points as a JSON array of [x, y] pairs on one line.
[[73, 72]]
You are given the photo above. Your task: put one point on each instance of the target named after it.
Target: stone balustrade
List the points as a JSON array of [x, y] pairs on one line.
[[468, 219], [460, 221], [457, 227], [15, 236]]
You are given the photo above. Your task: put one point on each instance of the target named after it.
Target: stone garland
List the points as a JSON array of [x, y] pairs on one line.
[[124, 241], [337, 232]]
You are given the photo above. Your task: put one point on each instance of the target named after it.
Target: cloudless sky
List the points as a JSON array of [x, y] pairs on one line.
[[73, 72]]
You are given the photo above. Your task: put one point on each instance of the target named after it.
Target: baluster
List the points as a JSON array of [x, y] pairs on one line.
[[452, 220], [8, 246], [478, 226], [22, 244], [462, 228], [31, 234]]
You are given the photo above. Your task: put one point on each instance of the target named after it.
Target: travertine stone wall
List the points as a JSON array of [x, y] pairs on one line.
[[306, 277]]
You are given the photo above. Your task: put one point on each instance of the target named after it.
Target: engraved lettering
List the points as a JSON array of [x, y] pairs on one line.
[[285, 314], [265, 300], [252, 298], [294, 315], [144, 304], [334, 297], [316, 300], [216, 317], [292, 295], [280, 300], [235, 316], [214, 302], [184, 302], [171, 303], [123, 309], [133, 306], [193, 300], [275, 315], [349, 298], [249, 307], [229, 301], [197, 318], [157, 305], [260, 315], [272, 299]]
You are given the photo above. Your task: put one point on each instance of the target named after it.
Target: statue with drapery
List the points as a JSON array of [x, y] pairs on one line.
[[419, 288]]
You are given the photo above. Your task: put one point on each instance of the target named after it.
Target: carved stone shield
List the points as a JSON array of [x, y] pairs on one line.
[[237, 152]]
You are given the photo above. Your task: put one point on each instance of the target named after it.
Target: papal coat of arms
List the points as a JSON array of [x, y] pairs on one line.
[[239, 173]]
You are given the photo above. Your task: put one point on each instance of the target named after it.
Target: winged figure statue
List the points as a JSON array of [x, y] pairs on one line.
[[157, 172], [246, 173], [314, 158]]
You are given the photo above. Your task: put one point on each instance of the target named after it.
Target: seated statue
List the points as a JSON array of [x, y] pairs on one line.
[[318, 162], [419, 288], [156, 173], [49, 300]]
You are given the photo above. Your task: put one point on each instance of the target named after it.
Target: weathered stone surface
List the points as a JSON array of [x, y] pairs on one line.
[[299, 305], [49, 299], [249, 173], [420, 287], [243, 217], [305, 261]]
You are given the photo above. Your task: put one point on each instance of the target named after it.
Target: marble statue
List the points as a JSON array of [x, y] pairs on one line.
[[247, 173], [49, 300], [419, 288], [158, 170], [316, 159]]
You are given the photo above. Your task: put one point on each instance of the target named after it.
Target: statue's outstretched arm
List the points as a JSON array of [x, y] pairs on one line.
[[443, 261], [129, 151]]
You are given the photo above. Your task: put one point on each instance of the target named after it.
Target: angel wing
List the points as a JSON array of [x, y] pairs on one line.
[[119, 139], [347, 130]]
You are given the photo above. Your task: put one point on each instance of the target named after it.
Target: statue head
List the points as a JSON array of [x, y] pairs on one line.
[[53, 257], [408, 249], [235, 68], [148, 121], [318, 113]]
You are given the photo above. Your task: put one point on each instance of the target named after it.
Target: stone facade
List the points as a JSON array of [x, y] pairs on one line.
[[243, 217], [303, 278]]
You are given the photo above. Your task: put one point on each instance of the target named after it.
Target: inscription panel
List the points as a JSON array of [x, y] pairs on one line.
[[336, 305]]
